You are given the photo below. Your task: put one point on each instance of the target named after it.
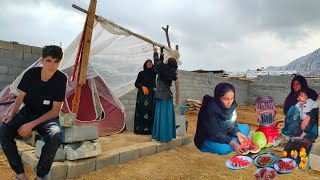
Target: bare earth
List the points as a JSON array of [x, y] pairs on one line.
[[185, 162]]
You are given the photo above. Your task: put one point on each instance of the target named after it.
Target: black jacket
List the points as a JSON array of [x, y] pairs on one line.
[[215, 123]]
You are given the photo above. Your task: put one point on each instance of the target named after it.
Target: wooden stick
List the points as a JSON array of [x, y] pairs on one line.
[[98, 18], [166, 30], [177, 86]]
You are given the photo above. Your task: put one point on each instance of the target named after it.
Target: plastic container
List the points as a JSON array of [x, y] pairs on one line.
[[182, 109]]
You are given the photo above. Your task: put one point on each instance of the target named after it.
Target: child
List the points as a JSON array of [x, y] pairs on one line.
[[308, 113]]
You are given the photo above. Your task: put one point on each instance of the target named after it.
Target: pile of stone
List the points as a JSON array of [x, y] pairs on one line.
[[78, 142], [193, 106]]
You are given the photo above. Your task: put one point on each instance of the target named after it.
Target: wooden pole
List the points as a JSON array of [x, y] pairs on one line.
[[166, 30], [177, 86], [83, 69], [98, 18]]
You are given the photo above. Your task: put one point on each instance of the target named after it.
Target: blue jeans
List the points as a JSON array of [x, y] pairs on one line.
[[222, 148], [50, 131]]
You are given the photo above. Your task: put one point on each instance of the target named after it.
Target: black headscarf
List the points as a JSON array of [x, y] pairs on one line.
[[291, 99], [168, 72], [146, 77]]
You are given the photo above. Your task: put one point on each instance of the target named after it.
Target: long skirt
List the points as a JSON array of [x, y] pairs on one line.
[[292, 125], [164, 127], [223, 148], [144, 113]]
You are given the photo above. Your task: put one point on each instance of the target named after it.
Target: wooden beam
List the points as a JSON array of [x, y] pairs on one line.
[[98, 18], [87, 42], [85, 52]]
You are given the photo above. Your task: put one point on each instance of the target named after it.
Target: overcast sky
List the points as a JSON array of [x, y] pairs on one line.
[[234, 35]]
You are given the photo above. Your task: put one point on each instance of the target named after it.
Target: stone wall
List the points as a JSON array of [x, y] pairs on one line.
[[14, 58], [277, 87], [192, 85]]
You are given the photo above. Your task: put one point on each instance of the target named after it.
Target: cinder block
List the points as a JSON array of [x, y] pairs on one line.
[[128, 153], [5, 61], [31, 57], [36, 50], [80, 167], [1, 51], [22, 146], [6, 45], [79, 133], [13, 54], [29, 158], [67, 119], [163, 146], [176, 142], [32, 138], [4, 70], [60, 154], [315, 162], [187, 139], [6, 78], [147, 148], [81, 150], [129, 119], [107, 158], [21, 47], [181, 123], [58, 171], [14, 70]]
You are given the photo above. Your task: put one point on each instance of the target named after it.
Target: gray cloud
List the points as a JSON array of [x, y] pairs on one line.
[[212, 34]]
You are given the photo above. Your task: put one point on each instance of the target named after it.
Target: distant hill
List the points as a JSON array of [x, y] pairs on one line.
[[308, 65]]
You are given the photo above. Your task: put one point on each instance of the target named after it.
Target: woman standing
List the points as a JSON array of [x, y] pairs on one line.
[[217, 128], [144, 114], [164, 128]]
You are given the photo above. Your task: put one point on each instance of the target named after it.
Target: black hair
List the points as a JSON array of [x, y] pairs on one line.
[[222, 88], [298, 93], [168, 72], [53, 51]]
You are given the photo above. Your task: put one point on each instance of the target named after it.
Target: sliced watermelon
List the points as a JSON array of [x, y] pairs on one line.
[[254, 149], [245, 144], [270, 141], [239, 162], [246, 151], [265, 160]]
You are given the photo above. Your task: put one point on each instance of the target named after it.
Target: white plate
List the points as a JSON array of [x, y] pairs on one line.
[[268, 168], [276, 167], [230, 166], [255, 162]]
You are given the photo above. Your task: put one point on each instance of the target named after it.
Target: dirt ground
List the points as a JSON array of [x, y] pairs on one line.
[[185, 162]]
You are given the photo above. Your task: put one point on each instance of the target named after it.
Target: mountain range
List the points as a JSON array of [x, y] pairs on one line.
[[308, 65]]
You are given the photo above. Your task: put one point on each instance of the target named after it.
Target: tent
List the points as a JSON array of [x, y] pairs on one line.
[[116, 57]]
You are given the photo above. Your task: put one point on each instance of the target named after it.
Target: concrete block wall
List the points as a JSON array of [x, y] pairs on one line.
[[277, 87], [196, 85], [192, 85], [14, 58]]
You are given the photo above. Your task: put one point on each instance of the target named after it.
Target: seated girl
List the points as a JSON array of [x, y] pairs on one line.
[[217, 128]]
